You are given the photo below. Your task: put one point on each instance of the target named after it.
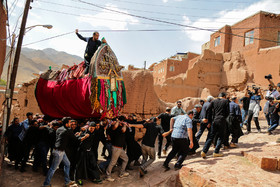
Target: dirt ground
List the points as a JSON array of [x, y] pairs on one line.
[[231, 170]]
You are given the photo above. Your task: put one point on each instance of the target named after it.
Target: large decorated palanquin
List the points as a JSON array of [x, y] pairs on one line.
[[71, 92]]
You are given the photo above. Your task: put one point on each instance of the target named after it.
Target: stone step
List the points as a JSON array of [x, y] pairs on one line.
[[267, 157]]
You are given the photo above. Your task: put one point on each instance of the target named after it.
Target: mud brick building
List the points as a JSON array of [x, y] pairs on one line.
[[258, 39], [172, 66]]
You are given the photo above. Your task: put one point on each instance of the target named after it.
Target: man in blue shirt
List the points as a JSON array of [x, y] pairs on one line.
[[25, 125], [182, 139]]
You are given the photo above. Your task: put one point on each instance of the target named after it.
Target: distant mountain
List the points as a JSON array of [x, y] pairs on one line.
[[34, 61]]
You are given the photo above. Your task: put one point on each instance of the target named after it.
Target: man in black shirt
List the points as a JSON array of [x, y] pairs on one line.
[[148, 143], [217, 113], [15, 146], [117, 136], [64, 136], [86, 166], [29, 142], [203, 118], [165, 124], [92, 45]]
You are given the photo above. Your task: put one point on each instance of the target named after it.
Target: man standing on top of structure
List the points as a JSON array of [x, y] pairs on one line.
[[92, 45]]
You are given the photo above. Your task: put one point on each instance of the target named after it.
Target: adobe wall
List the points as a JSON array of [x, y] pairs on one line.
[[3, 18], [211, 71], [141, 97], [159, 72], [270, 32], [225, 40], [179, 67], [264, 62], [238, 43]]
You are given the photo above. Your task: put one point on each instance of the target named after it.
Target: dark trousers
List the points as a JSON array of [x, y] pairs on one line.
[[160, 141], [180, 146], [203, 126], [256, 120], [26, 151], [40, 157], [267, 117], [86, 167], [217, 129], [195, 142]]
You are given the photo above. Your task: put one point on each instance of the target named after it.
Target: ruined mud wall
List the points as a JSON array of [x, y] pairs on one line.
[[211, 73], [141, 96]]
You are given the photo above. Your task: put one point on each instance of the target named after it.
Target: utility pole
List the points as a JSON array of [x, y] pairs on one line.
[[11, 83], [145, 65]]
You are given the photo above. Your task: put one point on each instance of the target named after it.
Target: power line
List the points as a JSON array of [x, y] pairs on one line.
[[49, 38], [206, 1], [164, 6], [137, 30], [136, 10], [171, 23], [175, 7], [87, 16], [13, 6]]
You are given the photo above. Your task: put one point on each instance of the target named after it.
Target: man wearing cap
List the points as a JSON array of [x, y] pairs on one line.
[[165, 124], [148, 143], [177, 110], [64, 137], [217, 113], [92, 45]]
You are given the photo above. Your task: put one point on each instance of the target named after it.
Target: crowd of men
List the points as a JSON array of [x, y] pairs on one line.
[[74, 143]]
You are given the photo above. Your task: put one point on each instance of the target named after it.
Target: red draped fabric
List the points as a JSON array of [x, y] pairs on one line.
[[66, 98]]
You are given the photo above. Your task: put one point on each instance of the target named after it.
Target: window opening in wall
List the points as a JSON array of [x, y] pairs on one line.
[[249, 37], [171, 68], [25, 102], [217, 41]]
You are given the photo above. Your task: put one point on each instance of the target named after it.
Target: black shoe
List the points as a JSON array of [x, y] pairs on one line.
[[177, 167], [22, 170], [166, 167], [142, 172], [191, 152], [136, 163]]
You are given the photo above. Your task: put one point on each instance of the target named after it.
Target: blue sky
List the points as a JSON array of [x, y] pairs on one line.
[[122, 30]]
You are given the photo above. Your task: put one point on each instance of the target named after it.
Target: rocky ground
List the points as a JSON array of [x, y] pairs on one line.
[[239, 167]]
